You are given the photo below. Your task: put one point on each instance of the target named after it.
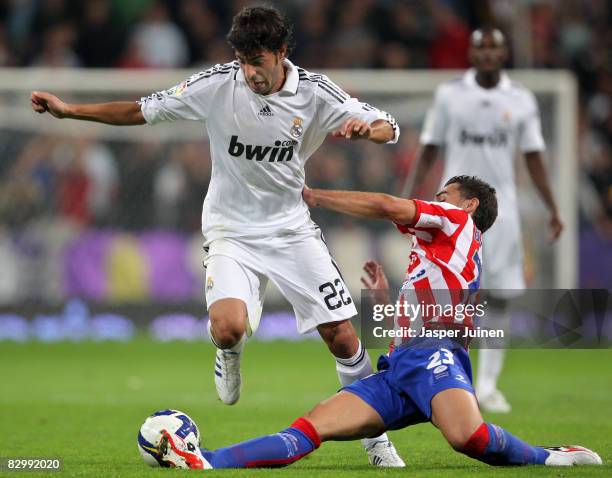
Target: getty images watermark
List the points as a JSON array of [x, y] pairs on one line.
[[543, 318], [403, 316]]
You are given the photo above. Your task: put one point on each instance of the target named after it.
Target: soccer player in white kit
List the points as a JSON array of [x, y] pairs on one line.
[[264, 117], [481, 120]]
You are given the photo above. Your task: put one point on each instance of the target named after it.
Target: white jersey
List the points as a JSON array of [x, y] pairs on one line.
[[259, 144], [481, 130]]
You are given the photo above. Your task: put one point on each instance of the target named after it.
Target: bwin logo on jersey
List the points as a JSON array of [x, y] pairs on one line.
[[497, 138], [281, 151]]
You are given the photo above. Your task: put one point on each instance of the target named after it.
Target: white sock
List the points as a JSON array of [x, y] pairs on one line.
[[354, 368], [490, 363]]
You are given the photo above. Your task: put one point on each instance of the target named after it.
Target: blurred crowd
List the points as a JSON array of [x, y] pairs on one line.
[[136, 186], [141, 185], [131, 186]]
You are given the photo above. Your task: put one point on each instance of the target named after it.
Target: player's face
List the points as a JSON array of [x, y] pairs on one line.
[[452, 195], [263, 71], [488, 51]]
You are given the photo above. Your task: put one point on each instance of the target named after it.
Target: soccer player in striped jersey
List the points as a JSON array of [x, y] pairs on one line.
[[423, 379], [482, 120], [265, 117]]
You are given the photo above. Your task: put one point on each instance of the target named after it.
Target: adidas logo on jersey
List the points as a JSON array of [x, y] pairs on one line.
[[281, 151], [265, 111]]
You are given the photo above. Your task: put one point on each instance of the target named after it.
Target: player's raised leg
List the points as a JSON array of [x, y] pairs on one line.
[[353, 363], [455, 412]]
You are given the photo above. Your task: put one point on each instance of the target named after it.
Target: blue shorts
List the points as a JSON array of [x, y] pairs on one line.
[[408, 378]]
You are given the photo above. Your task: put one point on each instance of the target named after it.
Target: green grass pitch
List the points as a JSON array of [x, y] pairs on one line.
[[85, 402]]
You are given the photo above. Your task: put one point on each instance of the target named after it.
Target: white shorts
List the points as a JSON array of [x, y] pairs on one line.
[[502, 257], [300, 265]]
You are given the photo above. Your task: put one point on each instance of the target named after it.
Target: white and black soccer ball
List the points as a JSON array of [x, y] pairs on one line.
[[173, 421]]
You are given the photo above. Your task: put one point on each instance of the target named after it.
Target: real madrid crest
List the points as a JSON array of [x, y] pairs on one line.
[[209, 284], [296, 130]]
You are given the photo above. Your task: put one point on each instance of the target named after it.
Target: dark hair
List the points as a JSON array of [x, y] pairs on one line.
[[473, 187], [255, 29]]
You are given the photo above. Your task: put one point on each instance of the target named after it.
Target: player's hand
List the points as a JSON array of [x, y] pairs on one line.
[[354, 128], [309, 197], [376, 278], [555, 226], [43, 102]]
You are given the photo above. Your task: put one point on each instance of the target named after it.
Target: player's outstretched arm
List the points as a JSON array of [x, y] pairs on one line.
[[379, 131], [363, 204], [539, 176], [120, 113]]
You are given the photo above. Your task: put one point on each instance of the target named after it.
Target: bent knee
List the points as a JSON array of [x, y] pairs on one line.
[[469, 442], [459, 440], [458, 444], [228, 325]]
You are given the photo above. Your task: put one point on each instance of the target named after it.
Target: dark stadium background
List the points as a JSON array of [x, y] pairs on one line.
[[65, 204]]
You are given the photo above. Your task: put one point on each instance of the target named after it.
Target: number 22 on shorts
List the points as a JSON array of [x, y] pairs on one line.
[[333, 290]]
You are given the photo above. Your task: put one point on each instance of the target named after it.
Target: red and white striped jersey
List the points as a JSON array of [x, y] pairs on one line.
[[445, 262]]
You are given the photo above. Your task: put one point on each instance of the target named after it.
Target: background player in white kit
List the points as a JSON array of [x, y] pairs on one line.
[[481, 120], [265, 117]]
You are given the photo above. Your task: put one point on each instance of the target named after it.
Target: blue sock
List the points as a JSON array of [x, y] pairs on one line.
[[280, 449], [495, 446]]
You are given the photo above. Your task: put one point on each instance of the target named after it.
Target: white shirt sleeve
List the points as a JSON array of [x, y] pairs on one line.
[[335, 106], [189, 100], [531, 138], [436, 120]]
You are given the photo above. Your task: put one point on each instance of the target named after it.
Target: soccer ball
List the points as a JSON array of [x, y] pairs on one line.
[[173, 421]]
